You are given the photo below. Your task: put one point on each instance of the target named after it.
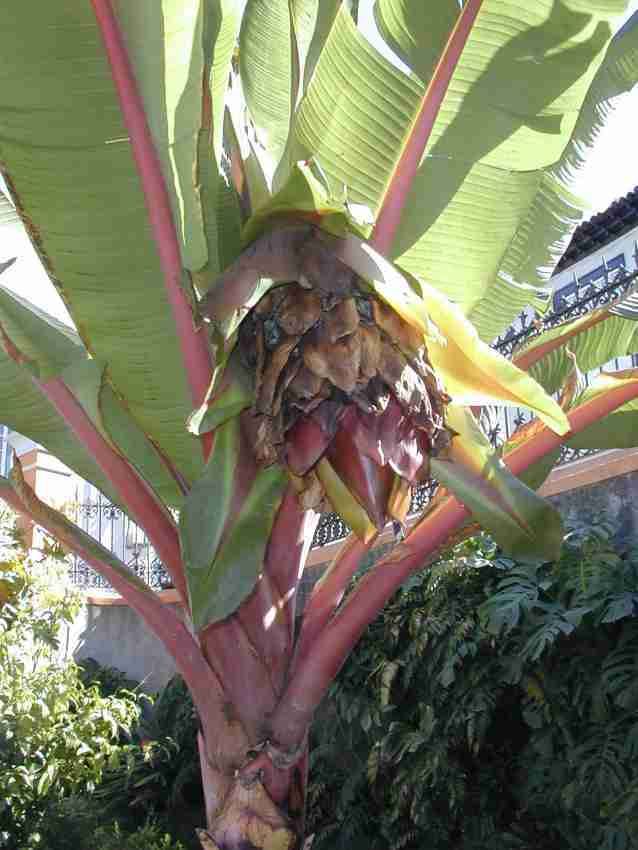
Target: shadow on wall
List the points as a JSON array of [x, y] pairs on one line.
[[615, 500], [115, 636]]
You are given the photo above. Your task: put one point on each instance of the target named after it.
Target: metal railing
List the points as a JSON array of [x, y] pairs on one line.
[[115, 530]]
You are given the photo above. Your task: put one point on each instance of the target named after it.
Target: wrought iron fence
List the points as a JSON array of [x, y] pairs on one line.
[[578, 298], [115, 530]]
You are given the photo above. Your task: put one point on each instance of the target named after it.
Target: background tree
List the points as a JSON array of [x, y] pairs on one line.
[[340, 224]]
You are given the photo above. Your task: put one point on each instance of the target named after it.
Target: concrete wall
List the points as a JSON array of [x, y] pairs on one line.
[[615, 500], [115, 636]]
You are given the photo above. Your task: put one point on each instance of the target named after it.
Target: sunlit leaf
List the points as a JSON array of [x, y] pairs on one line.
[[594, 339], [524, 524]]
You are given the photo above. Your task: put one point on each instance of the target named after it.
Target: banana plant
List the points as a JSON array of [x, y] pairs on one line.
[[284, 256]]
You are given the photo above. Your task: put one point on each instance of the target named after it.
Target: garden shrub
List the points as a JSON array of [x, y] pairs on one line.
[[491, 704], [57, 735]]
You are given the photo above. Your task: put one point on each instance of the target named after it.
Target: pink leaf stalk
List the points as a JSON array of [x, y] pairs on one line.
[[396, 194], [288, 547], [195, 351], [130, 488], [333, 645], [527, 359], [328, 593]]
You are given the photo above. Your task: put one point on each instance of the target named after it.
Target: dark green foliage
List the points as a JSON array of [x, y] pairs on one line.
[[151, 794], [78, 823], [160, 776], [109, 680], [489, 705]]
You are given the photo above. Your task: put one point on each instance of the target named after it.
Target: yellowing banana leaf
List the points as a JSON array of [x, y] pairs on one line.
[[472, 372], [526, 526], [343, 501], [224, 527]]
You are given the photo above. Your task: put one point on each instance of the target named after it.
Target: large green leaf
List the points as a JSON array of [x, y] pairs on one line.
[[526, 526], [486, 181], [355, 114], [24, 409], [221, 27], [594, 340], [417, 32], [551, 52], [617, 75], [164, 42], [617, 430], [240, 558], [224, 527], [267, 58], [51, 349], [205, 512], [63, 144], [220, 207], [48, 345]]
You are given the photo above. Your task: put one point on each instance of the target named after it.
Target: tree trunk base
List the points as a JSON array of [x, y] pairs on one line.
[[249, 820]]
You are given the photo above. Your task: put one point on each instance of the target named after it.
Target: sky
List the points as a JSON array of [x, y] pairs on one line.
[[611, 171]]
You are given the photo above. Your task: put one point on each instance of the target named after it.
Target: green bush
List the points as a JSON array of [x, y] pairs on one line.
[[57, 735], [490, 705], [78, 823], [148, 837], [160, 776]]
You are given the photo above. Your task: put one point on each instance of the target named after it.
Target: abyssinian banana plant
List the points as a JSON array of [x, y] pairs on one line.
[[285, 256]]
